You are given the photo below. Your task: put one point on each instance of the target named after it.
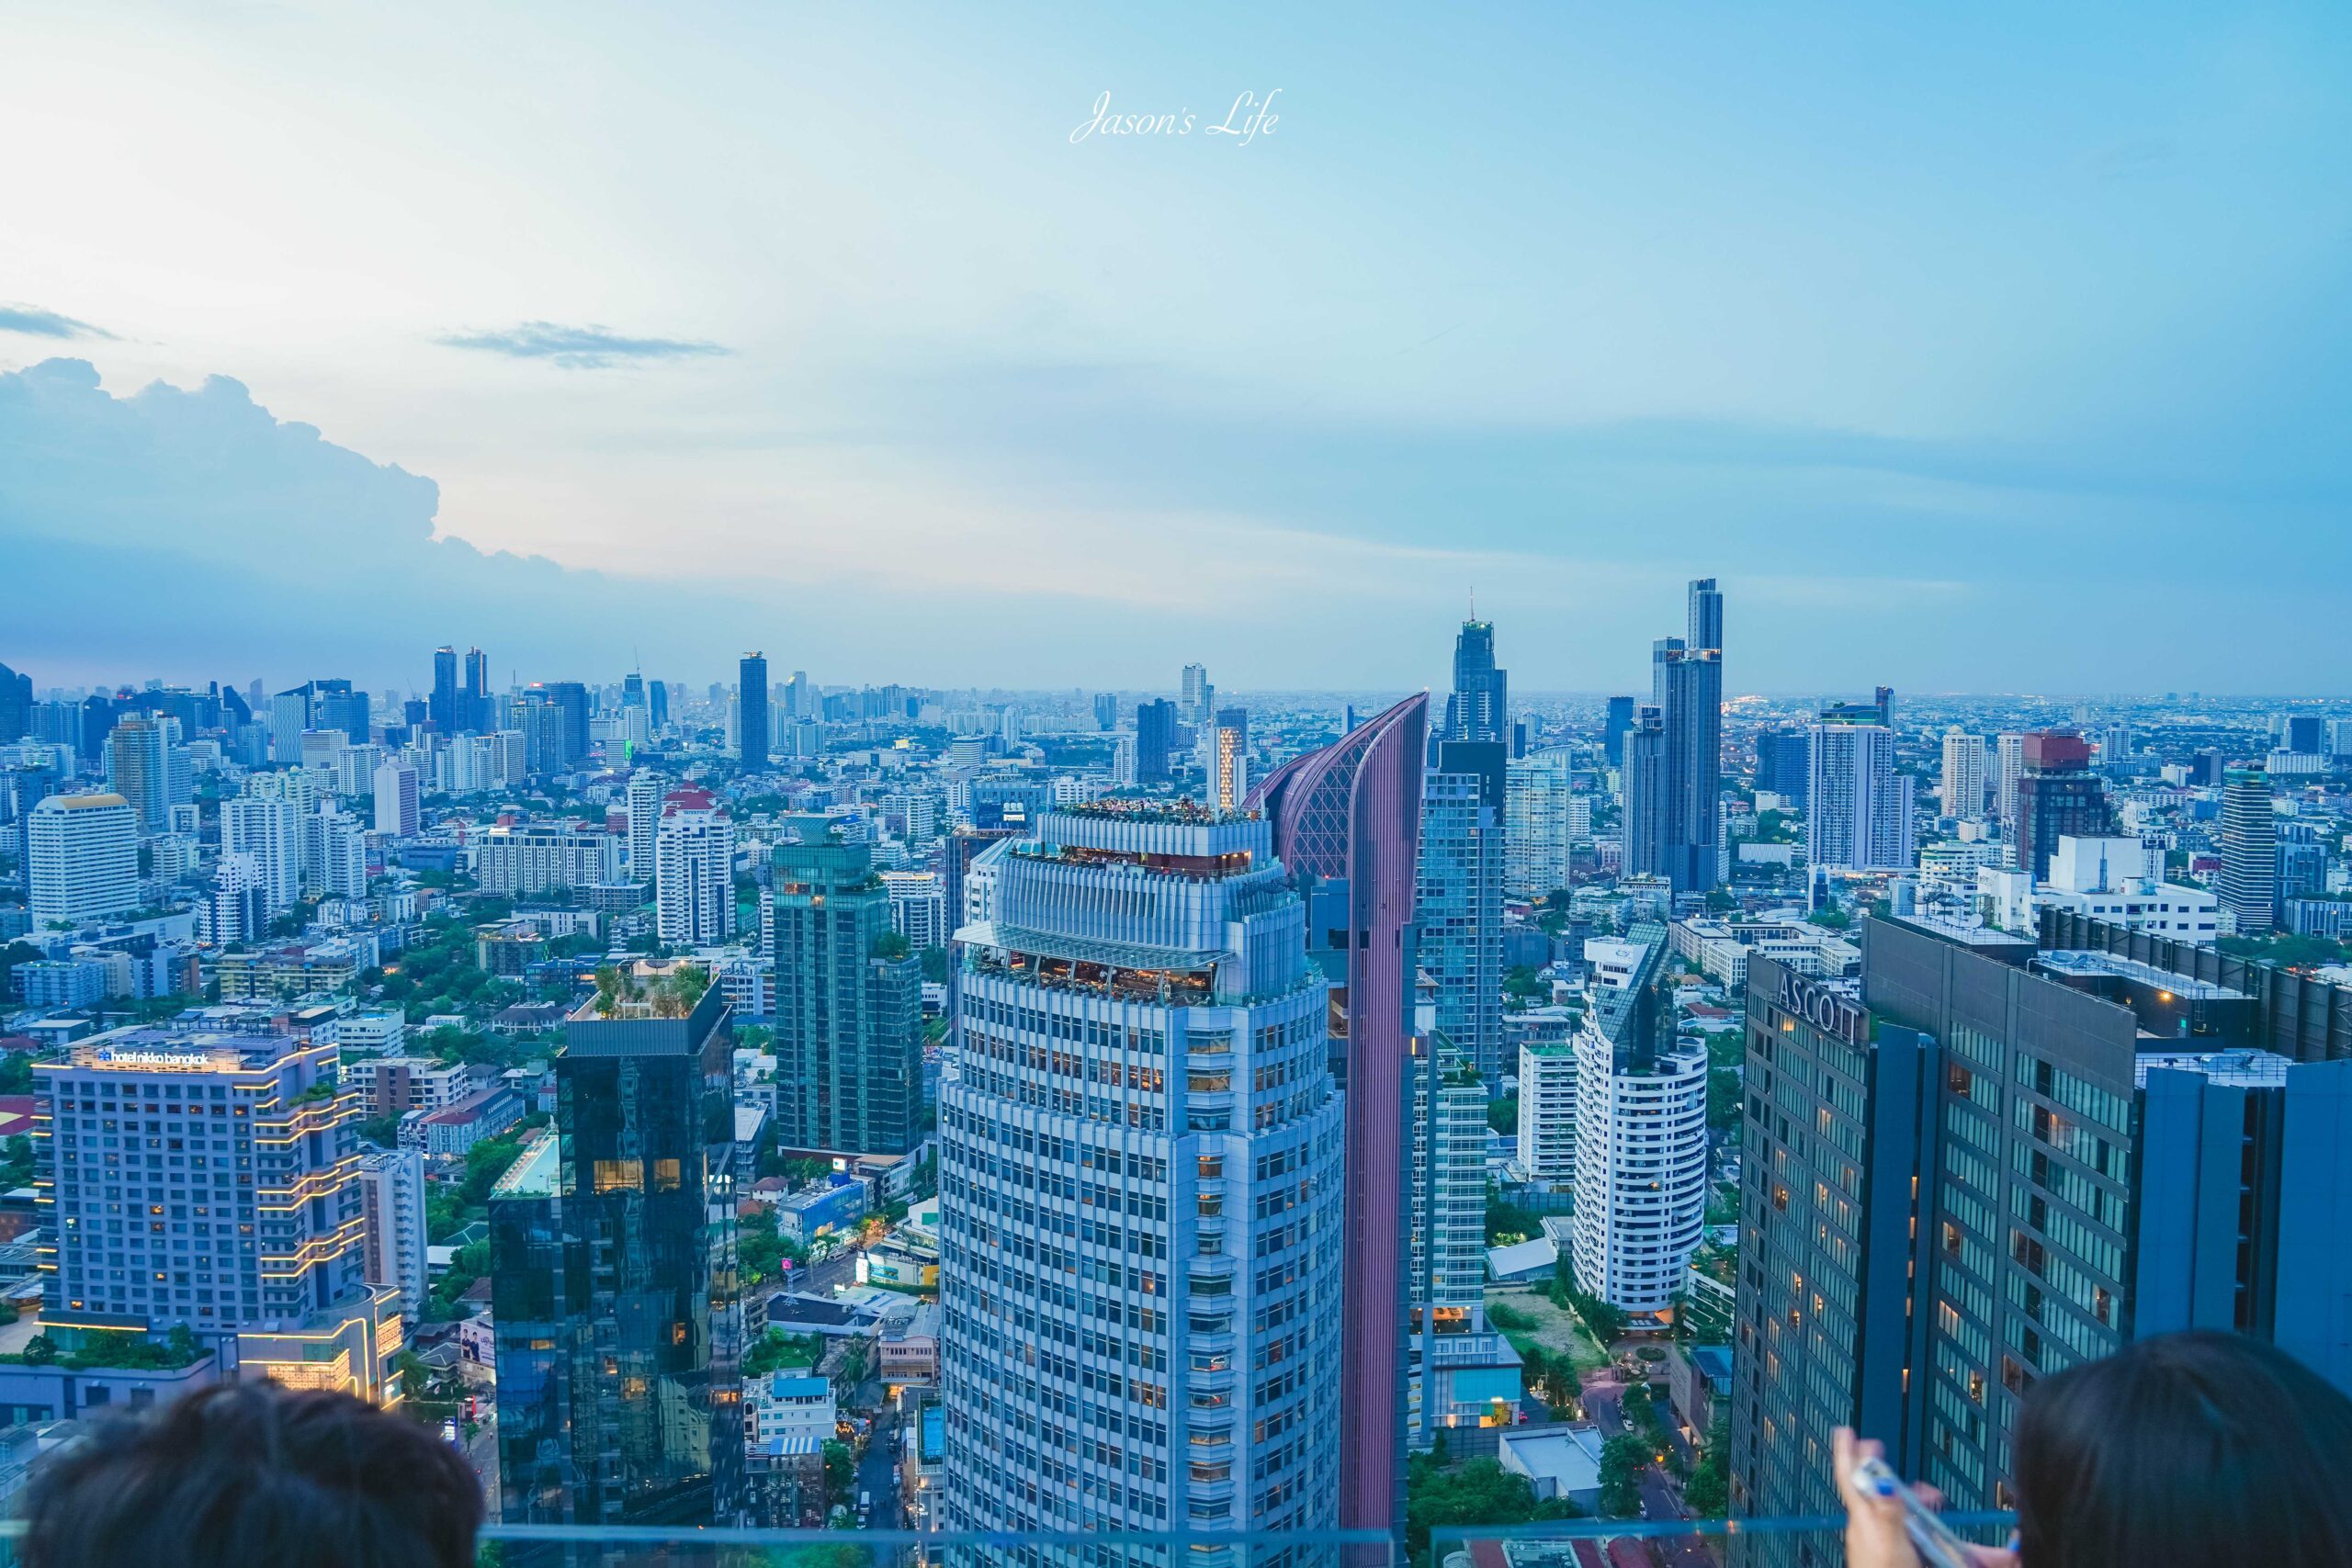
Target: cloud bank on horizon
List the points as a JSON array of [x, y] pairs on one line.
[[578, 348]]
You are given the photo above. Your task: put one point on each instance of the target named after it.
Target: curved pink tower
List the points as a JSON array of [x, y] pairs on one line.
[[1347, 823]]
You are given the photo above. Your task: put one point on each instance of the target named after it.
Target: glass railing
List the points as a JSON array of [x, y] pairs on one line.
[[1814, 1542]]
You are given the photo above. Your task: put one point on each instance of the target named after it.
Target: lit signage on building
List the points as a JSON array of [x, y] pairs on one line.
[[1829, 1011], [147, 1059]]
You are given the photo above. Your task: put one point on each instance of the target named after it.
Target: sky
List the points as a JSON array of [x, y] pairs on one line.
[[1998, 348]]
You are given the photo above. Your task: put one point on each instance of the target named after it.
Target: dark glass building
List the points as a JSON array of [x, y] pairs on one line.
[[612, 1273], [1620, 720], [751, 711], [445, 706], [2248, 885], [2058, 796], [1683, 815], [848, 1006], [2101, 1152], [1784, 763], [1155, 739], [1479, 707]]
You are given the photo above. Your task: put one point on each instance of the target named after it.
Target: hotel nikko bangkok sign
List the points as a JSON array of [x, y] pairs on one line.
[[137, 1058]]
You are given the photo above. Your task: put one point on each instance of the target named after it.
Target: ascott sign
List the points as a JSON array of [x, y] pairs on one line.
[[1830, 1011]]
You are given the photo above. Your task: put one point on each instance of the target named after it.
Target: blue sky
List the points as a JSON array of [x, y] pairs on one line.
[[1995, 351]]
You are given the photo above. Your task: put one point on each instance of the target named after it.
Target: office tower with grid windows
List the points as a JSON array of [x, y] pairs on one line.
[[2249, 885], [1458, 901], [1140, 1202], [694, 870], [81, 859], [1479, 706]]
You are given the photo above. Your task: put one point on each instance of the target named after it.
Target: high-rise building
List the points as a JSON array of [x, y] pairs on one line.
[[265, 1258], [1686, 690], [1643, 779], [570, 698], [1537, 838], [81, 859], [1641, 1175], [613, 1281], [445, 709], [2248, 883], [268, 829], [751, 713], [1479, 706], [1229, 759], [1619, 718], [1963, 792], [2057, 794], [1858, 810], [1141, 1138], [1547, 1111], [1155, 739], [1346, 822], [392, 1214], [1452, 1373], [848, 1004], [138, 769], [541, 723], [644, 813], [1458, 901], [342, 854], [1784, 763], [657, 704], [1106, 710], [1996, 1164], [694, 870], [476, 711], [397, 800], [2008, 770], [15, 705], [1196, 696]]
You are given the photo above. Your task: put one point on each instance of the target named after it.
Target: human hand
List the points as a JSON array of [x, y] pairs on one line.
[[1876, 1536]]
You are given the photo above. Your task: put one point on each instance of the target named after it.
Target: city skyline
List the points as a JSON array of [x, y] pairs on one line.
[[1898, 395]]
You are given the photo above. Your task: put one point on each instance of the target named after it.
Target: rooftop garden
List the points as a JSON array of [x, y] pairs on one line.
[[643, 991]]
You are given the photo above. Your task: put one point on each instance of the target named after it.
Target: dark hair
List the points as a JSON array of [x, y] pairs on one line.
[[2193, 1450], [255, 1476]]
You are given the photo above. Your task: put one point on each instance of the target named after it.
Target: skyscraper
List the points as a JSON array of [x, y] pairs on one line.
[[1643, 824], [1536, 840], [2249, 885], [2057, 795], [268, 828], [848, 1004], [445, 709], [1963, 775], [82, 859], [1784, 763], [15, 705], [1196, 696], [1229, 759], [1640, 1172], [1346, 821], [2008, 769], [475, 712], [1859, 809], [1998, 1164], [1155, 739], [1458, 902], [570, 698], [1140, 1167], [1618, 720], [613, 1271], [396, 800], [1479, 706], [1686, 689], [645, 789], [694, 870], [751, 712], [139, 770]]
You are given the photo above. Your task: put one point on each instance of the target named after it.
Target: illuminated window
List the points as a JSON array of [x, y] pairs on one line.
[[619, 1176]]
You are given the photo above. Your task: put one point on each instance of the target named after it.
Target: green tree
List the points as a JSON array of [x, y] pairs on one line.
[[1708, 1492], [1502, 1115], [1622, 1459]]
